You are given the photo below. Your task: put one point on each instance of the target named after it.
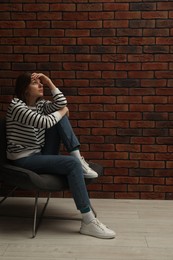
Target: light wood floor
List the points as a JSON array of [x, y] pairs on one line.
[[144, 231]]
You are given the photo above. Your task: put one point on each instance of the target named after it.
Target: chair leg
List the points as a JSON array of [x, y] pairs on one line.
[[9, 193], [36, 223], [35, 215], [37, 220]]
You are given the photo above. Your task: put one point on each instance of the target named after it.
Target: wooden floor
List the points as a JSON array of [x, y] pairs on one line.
[[144, 231]]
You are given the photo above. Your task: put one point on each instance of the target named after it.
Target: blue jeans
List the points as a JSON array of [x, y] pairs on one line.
[[50, 161]]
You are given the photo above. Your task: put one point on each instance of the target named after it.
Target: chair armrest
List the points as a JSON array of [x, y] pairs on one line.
[[96, 167]]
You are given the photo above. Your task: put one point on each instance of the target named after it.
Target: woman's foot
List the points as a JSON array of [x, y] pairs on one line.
[[96, 229], [88, 172]]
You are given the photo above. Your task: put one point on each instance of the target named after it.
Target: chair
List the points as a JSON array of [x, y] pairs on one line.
[[24, 179]]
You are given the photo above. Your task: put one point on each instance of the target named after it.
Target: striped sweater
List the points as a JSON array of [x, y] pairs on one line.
[[25, 126]]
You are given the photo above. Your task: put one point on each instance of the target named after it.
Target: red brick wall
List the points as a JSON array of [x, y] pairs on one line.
[[113, 59]]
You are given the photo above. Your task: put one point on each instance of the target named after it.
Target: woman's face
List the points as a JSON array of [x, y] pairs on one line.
[[34, 91]]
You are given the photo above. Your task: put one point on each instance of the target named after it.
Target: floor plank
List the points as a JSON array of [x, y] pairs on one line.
[[144, 231]]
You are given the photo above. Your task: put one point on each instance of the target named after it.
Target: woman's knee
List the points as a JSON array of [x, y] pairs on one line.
[[74, 163]]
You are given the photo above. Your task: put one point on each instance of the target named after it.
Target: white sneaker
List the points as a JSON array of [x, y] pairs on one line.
[[96, 229], [88, 172]]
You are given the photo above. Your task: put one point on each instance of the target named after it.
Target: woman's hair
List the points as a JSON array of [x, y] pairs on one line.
[[22, 82]]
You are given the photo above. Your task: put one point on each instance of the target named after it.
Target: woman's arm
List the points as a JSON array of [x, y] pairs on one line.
[[19, 112], [59, 100]]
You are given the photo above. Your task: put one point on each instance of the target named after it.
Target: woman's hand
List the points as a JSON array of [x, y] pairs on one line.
[[64, 111], [45, 80]]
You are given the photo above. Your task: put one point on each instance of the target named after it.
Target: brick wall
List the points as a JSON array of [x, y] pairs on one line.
[[113, 59]]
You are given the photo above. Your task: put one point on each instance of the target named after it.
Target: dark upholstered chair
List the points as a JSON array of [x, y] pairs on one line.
[[29, 180]]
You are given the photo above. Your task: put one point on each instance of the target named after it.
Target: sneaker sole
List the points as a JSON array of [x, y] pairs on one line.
[[90, 176], [97, 236]]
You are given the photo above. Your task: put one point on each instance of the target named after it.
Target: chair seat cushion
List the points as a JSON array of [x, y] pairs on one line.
[[30, 180]]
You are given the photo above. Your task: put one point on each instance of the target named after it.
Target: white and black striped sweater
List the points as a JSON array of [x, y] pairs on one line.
[[26, 126]]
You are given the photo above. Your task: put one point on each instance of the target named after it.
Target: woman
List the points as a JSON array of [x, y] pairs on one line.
[[35, 129]]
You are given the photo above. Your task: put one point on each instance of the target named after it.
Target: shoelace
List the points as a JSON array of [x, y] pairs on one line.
[[85, 163], [99, 224]]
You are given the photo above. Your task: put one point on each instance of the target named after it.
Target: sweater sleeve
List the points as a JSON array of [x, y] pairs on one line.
[[59, 101], [19, 112]]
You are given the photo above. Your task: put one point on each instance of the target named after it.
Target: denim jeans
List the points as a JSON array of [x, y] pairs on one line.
[[50, 161]]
